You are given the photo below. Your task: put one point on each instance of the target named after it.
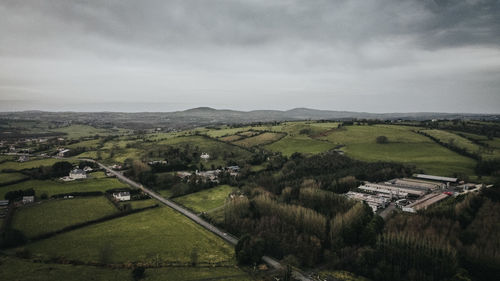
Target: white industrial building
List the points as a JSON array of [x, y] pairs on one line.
[[436, 178], [424, 202], [375, 202], [396, 189]]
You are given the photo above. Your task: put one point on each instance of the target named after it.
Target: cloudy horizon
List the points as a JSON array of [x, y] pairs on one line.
[[369, 56]]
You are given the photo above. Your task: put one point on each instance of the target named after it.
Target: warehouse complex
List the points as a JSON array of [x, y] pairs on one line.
[[410, 194]]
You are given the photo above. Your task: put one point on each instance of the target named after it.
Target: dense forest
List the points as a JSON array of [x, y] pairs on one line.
[[295, 212]]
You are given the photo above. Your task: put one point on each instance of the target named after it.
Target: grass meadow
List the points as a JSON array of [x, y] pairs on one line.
[[17, 166], [205, 200], [6, 178], [56, 214], [260, 139], [405, 146], [157, 234], [139, 204], [51, 187], [302, 144], [25, 270]]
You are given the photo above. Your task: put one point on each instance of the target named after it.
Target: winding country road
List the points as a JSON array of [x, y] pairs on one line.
[[226, 236]]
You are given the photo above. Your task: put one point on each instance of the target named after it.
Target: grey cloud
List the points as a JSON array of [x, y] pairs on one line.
[[242, 53]]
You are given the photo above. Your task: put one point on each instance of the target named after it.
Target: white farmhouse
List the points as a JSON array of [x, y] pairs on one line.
[[122, 196], [77, 174]]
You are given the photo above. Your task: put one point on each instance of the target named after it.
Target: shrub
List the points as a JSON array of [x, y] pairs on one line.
[[382, 139], [11, 238], [138, 273]]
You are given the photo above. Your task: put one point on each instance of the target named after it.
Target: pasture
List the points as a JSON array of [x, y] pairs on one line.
[[453, 139], [17, 166], [231, 138], [79, 131], [260, 139], [56, 214], [302, 144], [6, 178], [23, 270], [404, 146], [159, 234], [196, 273], [218, 150], [88, 144], [226, 131], [206, 200], [51, 187], [139, 204]]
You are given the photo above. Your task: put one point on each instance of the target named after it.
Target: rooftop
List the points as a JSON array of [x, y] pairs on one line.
[[435, 178]]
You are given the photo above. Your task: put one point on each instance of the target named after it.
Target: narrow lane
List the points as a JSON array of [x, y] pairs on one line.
[[226, 236]]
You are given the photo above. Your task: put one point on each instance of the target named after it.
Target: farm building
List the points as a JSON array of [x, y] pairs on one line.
[[183, 174], [209, 175], [122, 196], [77, 174], [417, 184], [386, 191], [87, 169], [436, 178], [375, 202], [4, 207], [396, 189], [424, 202], [62, 152], [23, 158], [28, 199], [205, 156], [156, 162]]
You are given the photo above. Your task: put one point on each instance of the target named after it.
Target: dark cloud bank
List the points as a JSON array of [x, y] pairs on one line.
[[362, 55]]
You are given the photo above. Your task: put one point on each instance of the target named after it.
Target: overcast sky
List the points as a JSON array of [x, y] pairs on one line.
[[359, 55]]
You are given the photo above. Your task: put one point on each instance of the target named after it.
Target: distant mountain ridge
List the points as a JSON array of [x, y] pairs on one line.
[[203, 116]]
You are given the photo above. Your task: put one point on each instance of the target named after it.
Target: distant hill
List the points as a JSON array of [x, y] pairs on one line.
[[203, 116]]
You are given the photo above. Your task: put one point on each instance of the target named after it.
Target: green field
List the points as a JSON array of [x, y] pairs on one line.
[[51, 187], [196, 273], [24, 270], [264, 138], [341, 275], [139, 204], [295, 128], [88, 144], [231, 138], [11, 165], [56, 214], [216, 149], [159, 233], [302, 144], [206, 200], [6, 178], [78, 131], [405, 146], [226, 131], [453, 139]]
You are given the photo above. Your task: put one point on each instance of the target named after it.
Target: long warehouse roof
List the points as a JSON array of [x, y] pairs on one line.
[[436, 178]]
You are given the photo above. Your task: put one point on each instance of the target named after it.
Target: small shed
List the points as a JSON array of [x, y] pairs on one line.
[[28, 199]]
